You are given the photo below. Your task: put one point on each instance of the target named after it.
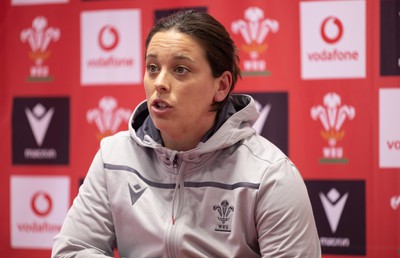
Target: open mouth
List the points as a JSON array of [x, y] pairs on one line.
[[160, 105]]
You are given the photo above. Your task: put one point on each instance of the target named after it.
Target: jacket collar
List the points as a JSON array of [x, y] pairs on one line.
[[229, 128]]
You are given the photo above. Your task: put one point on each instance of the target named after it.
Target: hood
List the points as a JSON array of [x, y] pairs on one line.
[[234, 123]]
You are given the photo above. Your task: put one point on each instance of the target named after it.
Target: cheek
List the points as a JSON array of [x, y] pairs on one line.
[[198, 105], [148, 88]]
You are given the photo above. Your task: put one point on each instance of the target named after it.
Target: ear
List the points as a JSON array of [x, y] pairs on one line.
[[223, 86]]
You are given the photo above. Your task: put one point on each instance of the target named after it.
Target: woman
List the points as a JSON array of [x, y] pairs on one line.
[[190, 178]]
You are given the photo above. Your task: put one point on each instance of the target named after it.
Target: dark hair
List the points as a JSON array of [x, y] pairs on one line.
[[220, 49]]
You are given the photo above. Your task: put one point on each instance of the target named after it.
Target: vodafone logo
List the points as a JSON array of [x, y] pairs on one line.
[[389, 128], [395, 202], [108, 38], [393, 144], [38, 208], [117, 55], [331, 30], [333, 39], [41, 203]]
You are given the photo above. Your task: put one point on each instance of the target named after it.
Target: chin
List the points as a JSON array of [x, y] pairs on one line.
[[163, 125]]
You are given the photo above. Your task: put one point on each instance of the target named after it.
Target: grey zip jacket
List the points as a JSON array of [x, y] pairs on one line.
[[234, 195]]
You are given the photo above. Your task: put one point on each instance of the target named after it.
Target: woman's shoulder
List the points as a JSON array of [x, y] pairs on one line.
[[264, 149], [116, 140]]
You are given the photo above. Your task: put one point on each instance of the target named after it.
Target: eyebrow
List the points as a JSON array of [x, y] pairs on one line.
[[176, 57]]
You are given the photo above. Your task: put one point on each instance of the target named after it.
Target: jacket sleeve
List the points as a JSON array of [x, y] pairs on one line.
[[284, 217], [88, 229]]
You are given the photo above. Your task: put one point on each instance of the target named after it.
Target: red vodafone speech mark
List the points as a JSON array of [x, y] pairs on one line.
[[339, 25], [48, 200], [108, 29]]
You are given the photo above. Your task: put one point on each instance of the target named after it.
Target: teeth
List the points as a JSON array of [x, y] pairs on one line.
[[161, 105]]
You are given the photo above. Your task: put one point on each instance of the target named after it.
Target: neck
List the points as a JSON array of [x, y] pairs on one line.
[[188, 139], [180, 145]]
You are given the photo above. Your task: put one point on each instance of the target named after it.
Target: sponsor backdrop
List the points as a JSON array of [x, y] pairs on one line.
[[325, 75]]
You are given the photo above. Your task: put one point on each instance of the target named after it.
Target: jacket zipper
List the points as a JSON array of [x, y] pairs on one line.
[[175, 162], [172, 227], [175, 165]]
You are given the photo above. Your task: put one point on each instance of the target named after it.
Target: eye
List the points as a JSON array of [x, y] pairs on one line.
[[152, 68], [181, 70]]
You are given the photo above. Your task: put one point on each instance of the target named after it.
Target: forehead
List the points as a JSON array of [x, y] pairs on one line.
[[174, 41]]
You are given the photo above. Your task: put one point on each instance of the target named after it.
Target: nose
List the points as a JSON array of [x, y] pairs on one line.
[[161, 82]]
